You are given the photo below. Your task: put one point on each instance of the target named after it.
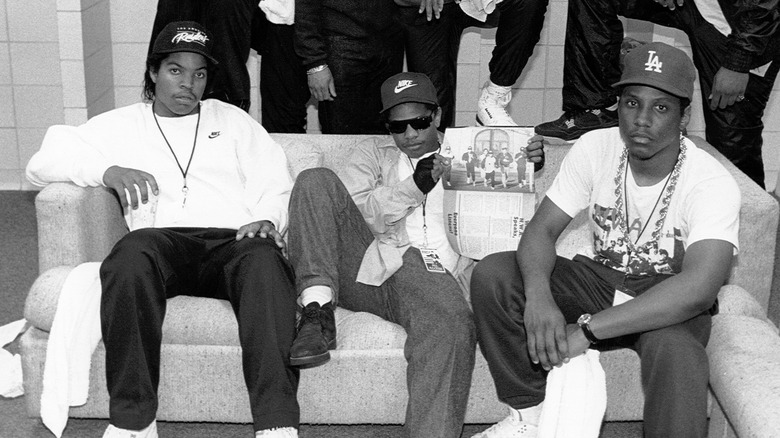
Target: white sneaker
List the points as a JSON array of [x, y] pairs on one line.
[[114, 432], [278, 432], [510, 427], [491, 106]]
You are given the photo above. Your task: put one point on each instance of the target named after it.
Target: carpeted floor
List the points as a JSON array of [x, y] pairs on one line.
[[18, 270]]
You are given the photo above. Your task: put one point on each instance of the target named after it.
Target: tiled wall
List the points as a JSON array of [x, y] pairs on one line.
[[66, 60]]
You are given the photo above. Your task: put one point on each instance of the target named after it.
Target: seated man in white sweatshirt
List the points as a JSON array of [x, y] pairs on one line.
[[220, 187]]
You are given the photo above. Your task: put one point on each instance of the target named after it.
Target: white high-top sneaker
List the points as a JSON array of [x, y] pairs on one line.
[[114, 432], [491, 106], [278, 432]]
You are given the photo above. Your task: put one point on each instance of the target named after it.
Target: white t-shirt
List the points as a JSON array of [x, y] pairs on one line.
[[705, 205], [434, 212]]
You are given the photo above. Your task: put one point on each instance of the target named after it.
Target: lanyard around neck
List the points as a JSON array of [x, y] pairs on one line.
[[184, 171]]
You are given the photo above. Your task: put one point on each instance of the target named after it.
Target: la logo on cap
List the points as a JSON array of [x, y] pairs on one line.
[[653, 63], [403, 85]]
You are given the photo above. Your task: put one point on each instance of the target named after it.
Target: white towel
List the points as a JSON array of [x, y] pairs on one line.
[[73, 338], [278, 11], [11, 364], [478, 9], [576, 399]]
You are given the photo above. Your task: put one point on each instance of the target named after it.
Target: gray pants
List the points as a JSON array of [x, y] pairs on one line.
[[327, 239]]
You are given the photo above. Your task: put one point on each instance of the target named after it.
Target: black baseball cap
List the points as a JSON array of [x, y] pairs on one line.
[[407, 87], [185, 36], [660, 66]]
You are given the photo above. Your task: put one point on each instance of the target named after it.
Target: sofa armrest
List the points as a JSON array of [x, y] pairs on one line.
[[744, 355], [76, 224]]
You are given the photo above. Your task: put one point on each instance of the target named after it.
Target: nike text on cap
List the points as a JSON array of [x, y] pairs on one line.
[[407, 87], [184, 36], [660, 66]]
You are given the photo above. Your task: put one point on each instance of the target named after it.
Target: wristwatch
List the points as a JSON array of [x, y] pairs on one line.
[[584, 322]]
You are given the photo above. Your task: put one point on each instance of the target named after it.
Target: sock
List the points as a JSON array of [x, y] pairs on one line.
[[498, 88], [531, 415], [319, 293]]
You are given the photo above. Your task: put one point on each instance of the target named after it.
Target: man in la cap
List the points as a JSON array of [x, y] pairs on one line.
[[736, 50], [645, 183], [361, 239], [216, 188]]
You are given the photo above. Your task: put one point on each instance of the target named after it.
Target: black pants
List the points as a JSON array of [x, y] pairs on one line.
[[148, 266], [432, 46], [675, 369], [359, 67], [591, 65]]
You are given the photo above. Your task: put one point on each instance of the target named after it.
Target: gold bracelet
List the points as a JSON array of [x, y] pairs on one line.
[[316, 69]]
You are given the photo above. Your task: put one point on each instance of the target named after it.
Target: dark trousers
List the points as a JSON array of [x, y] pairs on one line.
[[359, 67], [230, 22], [148, 266], [591, 65], [328, 237], [432, 46], [284, 90], [675, 369]]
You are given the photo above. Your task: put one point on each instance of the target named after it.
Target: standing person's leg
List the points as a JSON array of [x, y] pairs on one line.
[[440, 342], [284, 91], [432, 48], [230, 21], [519, 28], [143, 270], [254, 275], [359, 68], [675, 375], [498, 299]]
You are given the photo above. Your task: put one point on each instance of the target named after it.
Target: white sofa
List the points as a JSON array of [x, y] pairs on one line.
[[365, 380]]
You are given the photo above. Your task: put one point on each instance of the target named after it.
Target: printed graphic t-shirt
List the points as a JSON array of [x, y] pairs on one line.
[[705, 205]]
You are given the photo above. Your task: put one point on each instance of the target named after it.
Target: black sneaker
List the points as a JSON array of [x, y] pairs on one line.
[[316, 335], [570, 126]]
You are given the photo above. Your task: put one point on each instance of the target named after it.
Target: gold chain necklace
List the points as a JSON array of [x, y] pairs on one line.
[[671, 183]]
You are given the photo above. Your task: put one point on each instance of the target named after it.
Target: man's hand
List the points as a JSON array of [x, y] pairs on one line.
[[441, 165], [261, 229], [546, 333], [534, 152], [431, 8], [728, 87], [124, 182], [423, 174], [671, 4], [321, 85]]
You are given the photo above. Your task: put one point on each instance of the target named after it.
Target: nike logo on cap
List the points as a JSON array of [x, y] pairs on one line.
[[403, 85]]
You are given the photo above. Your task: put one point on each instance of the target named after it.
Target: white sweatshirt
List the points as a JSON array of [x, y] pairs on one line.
[[238, 173]]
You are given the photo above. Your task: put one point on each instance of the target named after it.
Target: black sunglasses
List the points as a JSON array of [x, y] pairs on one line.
[[399, 126]]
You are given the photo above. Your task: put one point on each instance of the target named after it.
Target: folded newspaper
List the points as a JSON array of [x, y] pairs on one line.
[[489, 193]]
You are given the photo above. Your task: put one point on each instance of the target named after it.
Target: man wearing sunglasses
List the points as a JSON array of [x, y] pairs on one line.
[[369, 239]]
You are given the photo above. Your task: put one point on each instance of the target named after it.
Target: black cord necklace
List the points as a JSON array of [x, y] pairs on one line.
[[184, 188]]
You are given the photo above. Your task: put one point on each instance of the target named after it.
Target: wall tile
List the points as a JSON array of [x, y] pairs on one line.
[[21, 15], [772, 112], [97, 28], [3, 22], [75, 116], [27, 185], [38, 106], [29, 143], [556, 23], [131, 21], [464, 118], [7, 118], [70, 34], [527, 107], [74, 93], [35, 63], [470, 46], [697, 114], [5, 64], [97, 74], [312, 122], [770, 180], [69, 5], [129, 63], [124, 96], [10, 180], [9, 151], [554, 78], [102, 104], [552, 104], [86, 4], [534, 73], [467, 93]]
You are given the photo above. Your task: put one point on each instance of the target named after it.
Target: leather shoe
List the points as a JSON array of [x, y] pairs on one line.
[[316, 335]]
